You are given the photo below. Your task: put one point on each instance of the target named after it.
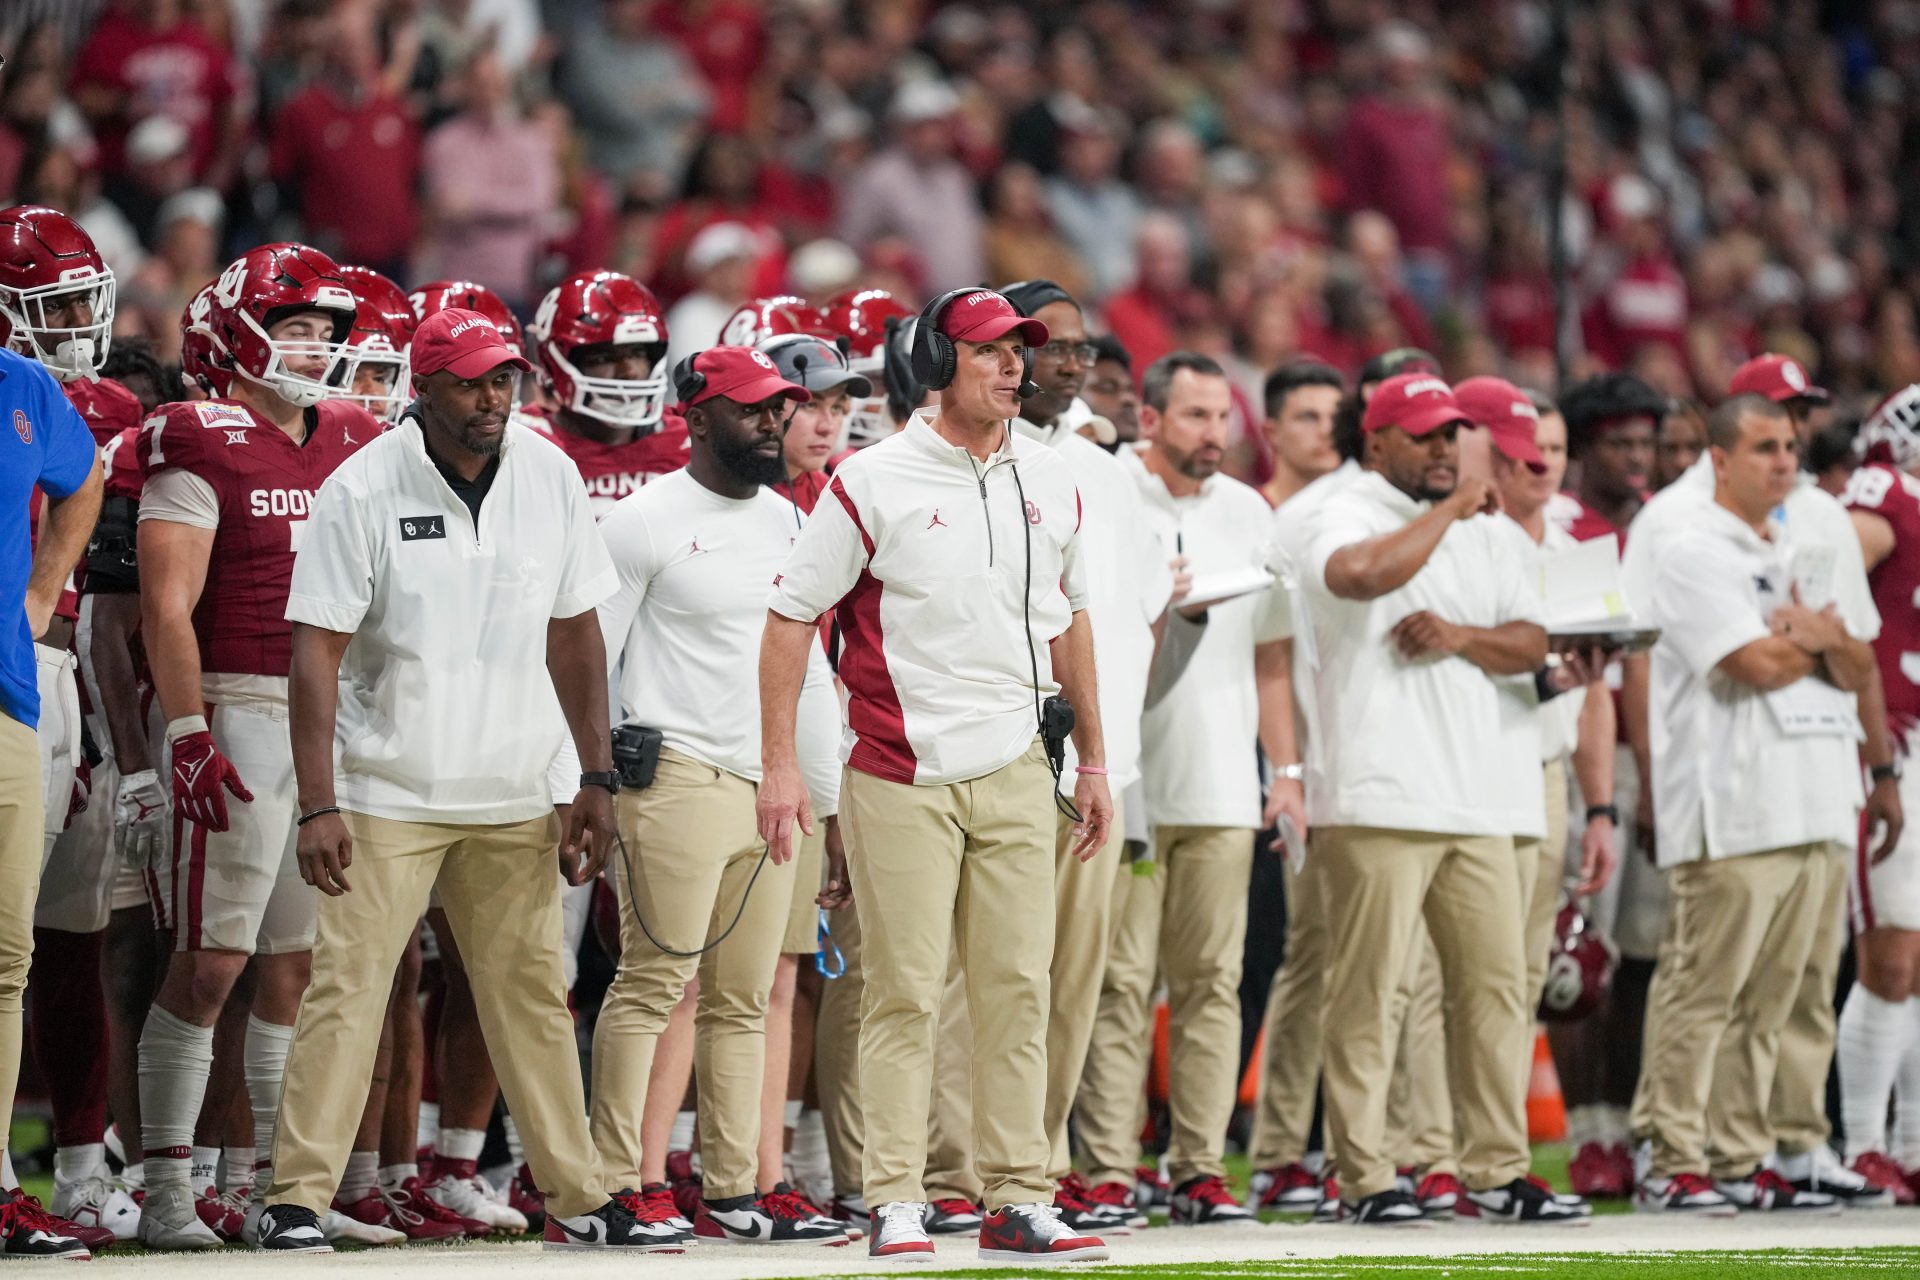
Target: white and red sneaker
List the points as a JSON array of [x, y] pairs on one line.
[[1205, 1202], [397, 1210], [1034, 1233], [952, 1217], [898, 1231], [1682, 1193], [1595, 1172], [1438, 1195], [1878, 1169], [1287, 1188], [1117, 1199]]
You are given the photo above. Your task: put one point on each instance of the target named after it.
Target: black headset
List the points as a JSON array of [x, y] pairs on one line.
[[688, 381], [936, 360]]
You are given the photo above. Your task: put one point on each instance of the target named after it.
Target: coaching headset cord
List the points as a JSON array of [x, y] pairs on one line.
[[626, 863]]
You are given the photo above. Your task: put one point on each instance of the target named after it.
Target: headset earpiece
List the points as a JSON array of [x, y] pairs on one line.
[[935, 361], [688, 381]]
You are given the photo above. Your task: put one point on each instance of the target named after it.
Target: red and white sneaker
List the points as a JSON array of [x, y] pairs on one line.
[[769, 1219], [397, 1210], [1151, 1190], [952, 1217], [1070, 1202], [898, 1230], [1330, 1208], [1629, 1173], [1117, 1199], [1595, 1173], [1034, 1233], [1287, 1188], [1205, 1202], [1879, 1170], [1682, 1193], [1438, 1195], [29, 1231], [854, 1230], [653, 1208], [225, 1214], [417, 1199], [1767, 1192], [527, 1199]]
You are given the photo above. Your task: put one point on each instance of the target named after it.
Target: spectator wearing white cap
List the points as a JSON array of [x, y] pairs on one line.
[[917, 190], [721, 261], [1416, 607]]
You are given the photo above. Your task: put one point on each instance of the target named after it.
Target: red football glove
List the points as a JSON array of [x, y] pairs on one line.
[[200, 772], [82, 791]]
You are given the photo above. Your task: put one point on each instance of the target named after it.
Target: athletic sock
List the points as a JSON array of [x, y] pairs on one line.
[[204, 1173], [70, 1164], [134, 1176], [517, 1154], [264, 1061], [1585, 1124], [429, 1125], [175, 1057], [1615, 1125], [456, 1154], [1874, 1036], [681, 1138], [394, 1176], [1906, 1093], [361, 1176], [239, 1171]]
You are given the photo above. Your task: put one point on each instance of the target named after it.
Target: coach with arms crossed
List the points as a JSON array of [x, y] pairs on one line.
[[951, 554], [444, 594]]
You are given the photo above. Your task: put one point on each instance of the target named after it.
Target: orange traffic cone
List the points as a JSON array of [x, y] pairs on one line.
[[1546, 1110]]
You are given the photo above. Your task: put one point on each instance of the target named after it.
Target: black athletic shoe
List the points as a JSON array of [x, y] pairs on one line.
[[291, 1228], [1390, 1208], [1525, 1201], [611, 1226], [768, 1219], [29, 1231]]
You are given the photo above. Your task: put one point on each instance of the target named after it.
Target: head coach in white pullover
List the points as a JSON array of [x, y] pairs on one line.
[[1417, 606], [951, 552], [444, 594]]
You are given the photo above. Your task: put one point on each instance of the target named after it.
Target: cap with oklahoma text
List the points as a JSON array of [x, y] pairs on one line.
[[741, 374], [1509, 417], [1776, 377], [465, 343], [985, 316], [1417, 403]]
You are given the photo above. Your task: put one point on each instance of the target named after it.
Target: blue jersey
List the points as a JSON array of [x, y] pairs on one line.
[[44, 442]]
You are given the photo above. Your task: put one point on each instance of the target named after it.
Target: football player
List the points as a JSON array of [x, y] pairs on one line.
[[375, 378], [228, 484], [868, 320]]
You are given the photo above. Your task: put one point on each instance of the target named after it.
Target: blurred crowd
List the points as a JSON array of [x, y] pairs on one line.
[[1254, 180]]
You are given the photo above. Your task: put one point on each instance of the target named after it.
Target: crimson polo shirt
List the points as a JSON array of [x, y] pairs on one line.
[[353, 163]]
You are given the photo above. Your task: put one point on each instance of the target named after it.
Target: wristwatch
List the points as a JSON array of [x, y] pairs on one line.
[[608, 779], [1881, 772], [1295, 772], [1608, 811]]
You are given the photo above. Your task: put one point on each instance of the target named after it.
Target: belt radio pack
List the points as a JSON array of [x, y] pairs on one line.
[[636, 755]]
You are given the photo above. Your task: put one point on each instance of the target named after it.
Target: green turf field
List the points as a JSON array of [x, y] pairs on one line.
[[1811, 1264]]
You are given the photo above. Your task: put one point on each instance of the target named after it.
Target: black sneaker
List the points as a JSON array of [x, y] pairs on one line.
[[1524, 1201], [1204, 1202], [768, 1219], [1767, 1192], [1390, 1208], [952, 1217], [291, 1228], [29, 1231], [610, 1226]]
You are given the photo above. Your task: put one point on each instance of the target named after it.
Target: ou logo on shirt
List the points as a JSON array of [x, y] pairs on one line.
[[1033, 512]]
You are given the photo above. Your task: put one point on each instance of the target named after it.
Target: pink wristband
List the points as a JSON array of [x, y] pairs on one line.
[[1087, 768]]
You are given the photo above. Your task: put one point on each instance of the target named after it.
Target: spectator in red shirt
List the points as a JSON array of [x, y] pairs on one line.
[[346, 149], [1393, 158], [726, 40], [1147, 318], [148, 58], [1645, 301]]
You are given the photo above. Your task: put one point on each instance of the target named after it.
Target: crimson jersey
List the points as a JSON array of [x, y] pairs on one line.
[[1894, 496], [264, 484], [107, 406], [612, 471], [121, 457]]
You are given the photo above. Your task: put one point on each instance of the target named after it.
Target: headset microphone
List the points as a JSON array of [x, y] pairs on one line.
[[1028, 388]]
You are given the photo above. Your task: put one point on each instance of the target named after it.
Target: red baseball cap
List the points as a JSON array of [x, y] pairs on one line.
[[465, 343], [983, 316], [1417, 403], [742, 375], [1509, 417], [1777, 378]]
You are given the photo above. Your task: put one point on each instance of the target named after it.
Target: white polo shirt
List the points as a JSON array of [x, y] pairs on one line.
[[1199, 760], [923, 549], [683, 629], [1412, 746], [1128, 584], [1730, 777], [1293, 522], [447, 713]]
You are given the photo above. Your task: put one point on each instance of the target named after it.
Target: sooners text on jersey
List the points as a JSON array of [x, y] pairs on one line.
[[265, 485], [1894, 496], [612, 471]]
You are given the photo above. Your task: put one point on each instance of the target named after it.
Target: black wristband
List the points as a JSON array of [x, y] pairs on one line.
[[1881, 772], [607, 779], [1610, 812], [311, 814]]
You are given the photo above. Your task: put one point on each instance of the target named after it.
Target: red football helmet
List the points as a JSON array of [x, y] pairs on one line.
[[47, 262], [375, 377], [865, 318], [266, 285], [602, 309], [203, 358], [1580, 971], [468, 296], [1892, 434], [765, 318]]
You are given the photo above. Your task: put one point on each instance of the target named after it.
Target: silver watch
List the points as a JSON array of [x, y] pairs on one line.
[[1295, 772]]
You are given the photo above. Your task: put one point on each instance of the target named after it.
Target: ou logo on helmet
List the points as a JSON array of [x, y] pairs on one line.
[[232, 281]]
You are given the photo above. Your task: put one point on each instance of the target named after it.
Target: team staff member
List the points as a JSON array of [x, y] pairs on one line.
[[694, 551], [1756, 795], [462, 544], [951, 552], [1202, 782], [1416, 607], [46, 446]]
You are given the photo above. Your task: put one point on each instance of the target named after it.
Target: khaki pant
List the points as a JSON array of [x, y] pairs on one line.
[[964, 864], [1737, 948], [1419, 1104], [501, 895], [1798, 1109], [1542, 882], [1290, 1073], [694, 848], [802, 937], [836, 1055], [1111, 1107], [22, 838], [950, 1168], [1379, 885]]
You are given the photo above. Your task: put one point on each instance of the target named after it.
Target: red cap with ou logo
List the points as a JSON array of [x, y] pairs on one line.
[[1507, 414], [1777, 378], [984, 316], [1417, 403], [741, 374], [465, 343]]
